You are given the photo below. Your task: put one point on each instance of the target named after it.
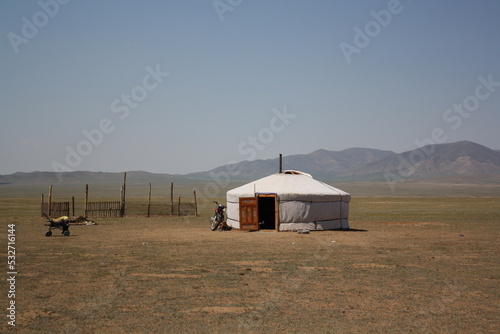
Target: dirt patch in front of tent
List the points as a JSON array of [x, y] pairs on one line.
[[174, 275]]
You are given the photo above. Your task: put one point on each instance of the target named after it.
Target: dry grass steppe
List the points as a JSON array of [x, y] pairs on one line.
[[409, 264]]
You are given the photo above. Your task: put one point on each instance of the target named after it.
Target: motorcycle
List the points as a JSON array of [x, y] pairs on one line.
[[218, 217]]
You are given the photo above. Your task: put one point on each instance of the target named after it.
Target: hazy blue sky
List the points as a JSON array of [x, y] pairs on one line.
[[184, 86]]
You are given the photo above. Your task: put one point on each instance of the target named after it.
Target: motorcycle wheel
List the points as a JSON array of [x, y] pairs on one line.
[[214, 223]]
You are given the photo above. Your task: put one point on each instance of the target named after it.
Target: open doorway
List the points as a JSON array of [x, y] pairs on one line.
[[268, 213]]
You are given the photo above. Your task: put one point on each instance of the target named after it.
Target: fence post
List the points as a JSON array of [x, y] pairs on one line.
[[195, 204], [121, 200], [149, 200], [122, 212], [50, 201], [172, 199], [86, 200], [41, 212], [73, 206], [179, 207]]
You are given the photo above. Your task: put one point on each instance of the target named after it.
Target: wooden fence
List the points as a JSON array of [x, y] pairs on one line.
[[138, 208], [110, 209], [104, 209], [56, 209]]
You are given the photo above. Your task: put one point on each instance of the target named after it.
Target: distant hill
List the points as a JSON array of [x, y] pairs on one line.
[[451, 159], [462, 157], [458, 158], [320, 163], [37, 178]]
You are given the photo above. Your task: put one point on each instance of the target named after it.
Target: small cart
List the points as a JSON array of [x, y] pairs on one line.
[[61, 223]]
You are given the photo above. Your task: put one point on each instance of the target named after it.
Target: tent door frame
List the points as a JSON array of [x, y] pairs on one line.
[[276, 211]]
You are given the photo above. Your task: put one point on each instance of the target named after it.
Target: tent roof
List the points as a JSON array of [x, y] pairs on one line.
[[289, 186]]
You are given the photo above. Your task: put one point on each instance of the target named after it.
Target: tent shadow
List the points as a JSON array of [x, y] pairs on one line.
[[351, 230]]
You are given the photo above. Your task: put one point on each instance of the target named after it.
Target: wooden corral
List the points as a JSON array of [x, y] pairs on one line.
[[109, 208]]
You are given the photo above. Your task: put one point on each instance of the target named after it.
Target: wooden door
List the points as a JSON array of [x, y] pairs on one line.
[[249, 213]]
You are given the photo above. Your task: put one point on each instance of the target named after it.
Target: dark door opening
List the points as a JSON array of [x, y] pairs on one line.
[[267, 212]]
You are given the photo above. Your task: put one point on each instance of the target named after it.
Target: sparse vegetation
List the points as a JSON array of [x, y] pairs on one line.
[[412, 264]]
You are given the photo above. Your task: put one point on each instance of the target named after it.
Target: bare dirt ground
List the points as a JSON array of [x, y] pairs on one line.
[[409, 265]]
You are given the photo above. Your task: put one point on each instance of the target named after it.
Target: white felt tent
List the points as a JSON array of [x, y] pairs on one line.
[[288, 201]]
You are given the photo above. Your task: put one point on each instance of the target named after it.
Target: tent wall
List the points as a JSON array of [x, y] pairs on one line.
[[296, 215], [233, 214], [300, 212], [303, 203]]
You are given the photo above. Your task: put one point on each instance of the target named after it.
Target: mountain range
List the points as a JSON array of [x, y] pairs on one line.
[[319, 163], [437, 160], [459, 158]]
